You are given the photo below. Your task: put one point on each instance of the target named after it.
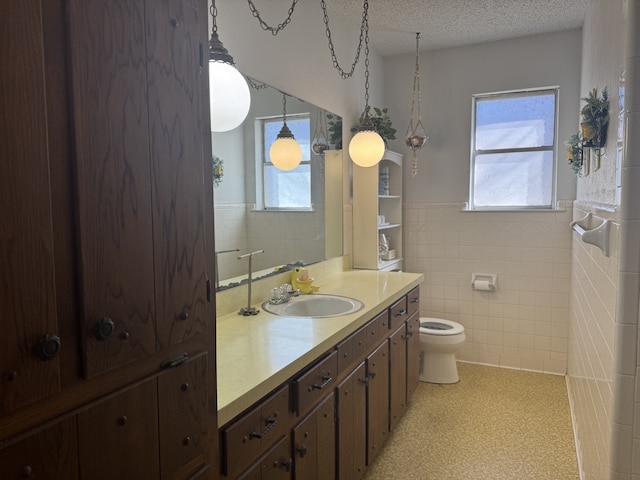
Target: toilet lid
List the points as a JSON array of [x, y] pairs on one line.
[[439, 326]]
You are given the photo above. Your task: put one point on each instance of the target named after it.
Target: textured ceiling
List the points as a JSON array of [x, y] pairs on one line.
[[450, 23]]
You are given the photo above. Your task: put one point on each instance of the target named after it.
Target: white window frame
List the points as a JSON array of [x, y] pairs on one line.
[[553, 148]]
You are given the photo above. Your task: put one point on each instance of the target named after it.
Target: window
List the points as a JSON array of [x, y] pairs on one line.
[[513, 150], [290, 190]]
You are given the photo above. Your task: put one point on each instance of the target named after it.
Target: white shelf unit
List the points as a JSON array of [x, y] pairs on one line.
[[370, 201]]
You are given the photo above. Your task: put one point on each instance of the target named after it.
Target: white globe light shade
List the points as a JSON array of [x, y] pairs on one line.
[[366, 148], [285, 153], [230, 97]]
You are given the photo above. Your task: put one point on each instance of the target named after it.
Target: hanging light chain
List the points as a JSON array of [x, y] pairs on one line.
[[263, 24], [214, 13], [284, 108], [344, 74], [365, 16]]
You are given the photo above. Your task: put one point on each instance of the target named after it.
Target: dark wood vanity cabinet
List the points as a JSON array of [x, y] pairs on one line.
[[107, 243], [335, 415]]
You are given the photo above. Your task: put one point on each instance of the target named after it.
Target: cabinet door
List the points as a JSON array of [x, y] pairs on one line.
[[277, 464], [314, 443], [351, 399], [377, 400], [109, 79], [118, 438], [182, 396], [50, 454], [398, 375], [27, 295], [178, 167], [413, 354]]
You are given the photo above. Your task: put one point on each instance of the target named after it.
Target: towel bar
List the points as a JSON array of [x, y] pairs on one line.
[[598, 236]]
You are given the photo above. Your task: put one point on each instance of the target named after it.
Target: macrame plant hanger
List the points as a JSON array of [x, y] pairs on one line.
[[416, 136]]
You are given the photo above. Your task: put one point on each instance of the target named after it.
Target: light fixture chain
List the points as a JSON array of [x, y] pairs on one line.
[[214, 13], [344, 74], [284, 108], [365, 16], [263, 24]]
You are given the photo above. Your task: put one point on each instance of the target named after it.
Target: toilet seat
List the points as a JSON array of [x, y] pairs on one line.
[[439, 326]]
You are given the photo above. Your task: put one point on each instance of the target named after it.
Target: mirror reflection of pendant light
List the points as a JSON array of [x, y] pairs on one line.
[[320, 143], [416, 136], [228, 89], [367, 147], [285, 153]]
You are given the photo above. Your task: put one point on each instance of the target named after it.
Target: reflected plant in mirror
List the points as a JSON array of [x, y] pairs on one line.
[[294, 216]]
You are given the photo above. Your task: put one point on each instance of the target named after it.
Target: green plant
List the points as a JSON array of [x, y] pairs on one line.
[[334, 125], [595, 118], [218, 170], [574, 153], [381, 122]]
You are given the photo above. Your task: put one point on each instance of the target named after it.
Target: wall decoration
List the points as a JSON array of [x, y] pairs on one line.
[[218, 170]]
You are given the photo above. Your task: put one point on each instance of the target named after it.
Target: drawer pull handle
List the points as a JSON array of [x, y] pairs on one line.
[[408, 335], [270, 422], [326, 380], [414, 300], [401, 313], [302, 451], [372, 375], [364, 380], [288, 465]]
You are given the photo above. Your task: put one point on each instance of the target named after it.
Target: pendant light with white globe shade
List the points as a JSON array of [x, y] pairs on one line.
[[228, 89], [367, 147], [285, 153]]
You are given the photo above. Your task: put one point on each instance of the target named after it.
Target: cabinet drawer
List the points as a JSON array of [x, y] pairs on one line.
[[413, 301], [254, 432], [312, 385], [398, 312], [377, 329], [351, 350]]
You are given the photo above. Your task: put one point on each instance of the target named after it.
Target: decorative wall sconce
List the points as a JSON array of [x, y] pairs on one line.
[[228, 89], [592, 136], [285, 152]]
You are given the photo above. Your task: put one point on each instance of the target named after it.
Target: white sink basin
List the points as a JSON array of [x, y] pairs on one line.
[[315, 306]]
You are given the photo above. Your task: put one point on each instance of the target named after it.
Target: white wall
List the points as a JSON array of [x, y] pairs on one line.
[[450, 77], [525, 323], [596, 341]]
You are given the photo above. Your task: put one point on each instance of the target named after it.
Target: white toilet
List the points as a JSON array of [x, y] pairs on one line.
[[439, 341]]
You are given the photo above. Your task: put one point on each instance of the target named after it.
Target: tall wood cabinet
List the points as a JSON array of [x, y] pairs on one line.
[[377, 211], [106, 250]]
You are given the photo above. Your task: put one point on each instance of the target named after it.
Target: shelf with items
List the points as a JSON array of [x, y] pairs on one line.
[[377, 209]]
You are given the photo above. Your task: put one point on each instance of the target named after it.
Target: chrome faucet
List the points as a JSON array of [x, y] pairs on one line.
[[249, 310], [282, 294]]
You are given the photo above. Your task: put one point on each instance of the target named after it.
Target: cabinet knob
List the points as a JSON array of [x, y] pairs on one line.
[[48, 347], [185, 387], [122, 420], [26, 472], [184, 316], [103, 329], [124, 336], [186, 441], [302, 451], [10, 376]]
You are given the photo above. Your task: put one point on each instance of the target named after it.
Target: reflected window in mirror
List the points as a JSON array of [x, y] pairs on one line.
[[291, 189]]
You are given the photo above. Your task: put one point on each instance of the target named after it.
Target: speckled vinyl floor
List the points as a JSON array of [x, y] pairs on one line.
[[495, 424]]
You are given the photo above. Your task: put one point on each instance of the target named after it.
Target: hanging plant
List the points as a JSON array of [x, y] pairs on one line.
[[574, 153], [334, 127], [218, 170], [595, 118], [381, 122]]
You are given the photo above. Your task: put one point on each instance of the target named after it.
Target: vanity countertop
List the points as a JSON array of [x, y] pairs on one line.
[[256, 354]]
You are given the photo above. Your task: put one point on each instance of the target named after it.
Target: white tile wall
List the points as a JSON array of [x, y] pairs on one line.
[[592, 347], [284, 236], [524, 324]]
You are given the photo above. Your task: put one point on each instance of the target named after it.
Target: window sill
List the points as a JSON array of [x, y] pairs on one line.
[[558, 208]]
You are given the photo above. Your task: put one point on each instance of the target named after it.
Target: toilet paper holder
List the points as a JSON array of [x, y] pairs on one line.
[[484, 281]]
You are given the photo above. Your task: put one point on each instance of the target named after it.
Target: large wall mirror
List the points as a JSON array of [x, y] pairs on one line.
[[295, 217]]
